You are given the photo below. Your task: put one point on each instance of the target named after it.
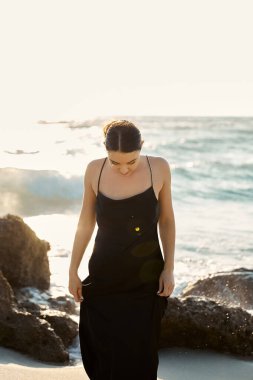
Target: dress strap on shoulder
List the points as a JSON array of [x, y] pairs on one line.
[[150, 170], [100, 173]]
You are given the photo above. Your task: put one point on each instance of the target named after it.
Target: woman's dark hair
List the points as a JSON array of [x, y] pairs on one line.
[[122, 136]]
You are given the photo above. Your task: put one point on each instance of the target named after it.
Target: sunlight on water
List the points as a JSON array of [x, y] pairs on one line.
[[50, 146]]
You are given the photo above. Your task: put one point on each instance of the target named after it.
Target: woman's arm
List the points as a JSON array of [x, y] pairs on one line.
[[167, 230], [85, 228]]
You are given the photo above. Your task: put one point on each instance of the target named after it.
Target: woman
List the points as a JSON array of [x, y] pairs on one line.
[[124, 296]]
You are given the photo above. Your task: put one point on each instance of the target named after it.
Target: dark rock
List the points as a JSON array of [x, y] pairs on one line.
[[63, 325], [43, 336], [32, 307], [23, 256], [26, 322], [31, 335], [7, 298], [31, 298], [64, 303], [200, 323], [232, 288]]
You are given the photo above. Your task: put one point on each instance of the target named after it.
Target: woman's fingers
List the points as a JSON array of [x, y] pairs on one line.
[[79, 294], [166, 283], [160, 285], [167, 289], [165, 294], [75, 288]]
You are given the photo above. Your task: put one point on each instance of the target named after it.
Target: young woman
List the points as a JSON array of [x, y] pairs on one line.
[[123, 298]]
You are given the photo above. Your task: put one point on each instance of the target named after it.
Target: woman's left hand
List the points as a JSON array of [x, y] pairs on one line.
[[166, 283]]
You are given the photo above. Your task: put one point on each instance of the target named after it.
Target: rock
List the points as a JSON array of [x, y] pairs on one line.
[[63, 325], [31, 298], [31, 320], [43, 334], [23, 256], [32, 307], [31, 335], [232, 288], [200, 323], [7, 298], [64, 303]]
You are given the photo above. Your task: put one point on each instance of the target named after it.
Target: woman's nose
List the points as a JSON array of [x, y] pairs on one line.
[[123, 170]]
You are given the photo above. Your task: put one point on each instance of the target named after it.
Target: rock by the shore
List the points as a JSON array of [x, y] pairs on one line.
[[23, 256], [33, 299], [232, 288], [201, 323], [63, 325], [44, 334], [43, 330], [30, 335], [7, 297]]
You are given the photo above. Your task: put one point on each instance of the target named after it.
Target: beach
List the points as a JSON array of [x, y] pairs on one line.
[[174, 364]]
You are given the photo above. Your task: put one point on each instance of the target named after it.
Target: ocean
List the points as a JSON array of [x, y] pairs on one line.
[[211, 159]]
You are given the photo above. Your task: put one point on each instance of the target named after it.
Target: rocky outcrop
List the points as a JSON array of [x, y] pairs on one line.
[[201, 323], [23, 256], [43, 329], [211, 313], [231, 288], [44, 335]]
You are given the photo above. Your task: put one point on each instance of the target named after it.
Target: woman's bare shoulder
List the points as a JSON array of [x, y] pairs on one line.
[[159, 161], [92, 170], [95, 164], [91, 173], [162, 168]]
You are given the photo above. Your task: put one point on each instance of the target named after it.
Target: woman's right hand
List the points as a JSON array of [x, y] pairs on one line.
[[75, 287]]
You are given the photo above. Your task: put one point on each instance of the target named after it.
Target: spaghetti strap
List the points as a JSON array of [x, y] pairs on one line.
[[100, 173], [150, 171]]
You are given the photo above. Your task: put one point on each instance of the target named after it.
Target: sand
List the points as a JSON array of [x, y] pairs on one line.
[[174, 364]]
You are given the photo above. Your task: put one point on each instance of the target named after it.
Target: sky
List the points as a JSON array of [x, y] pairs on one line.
[[76, 59]]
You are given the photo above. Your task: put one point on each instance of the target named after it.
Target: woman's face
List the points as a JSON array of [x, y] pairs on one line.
[[124, 163]]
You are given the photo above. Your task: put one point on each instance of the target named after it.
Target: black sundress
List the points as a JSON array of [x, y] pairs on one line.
[[120, 316]]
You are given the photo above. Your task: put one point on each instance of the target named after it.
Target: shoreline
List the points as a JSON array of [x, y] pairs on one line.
[[177, 363]]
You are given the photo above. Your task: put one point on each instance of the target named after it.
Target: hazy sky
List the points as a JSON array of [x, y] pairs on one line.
[[77, 59]]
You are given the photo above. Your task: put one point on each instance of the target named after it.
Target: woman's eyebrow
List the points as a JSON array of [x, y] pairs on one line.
[[127, 162]]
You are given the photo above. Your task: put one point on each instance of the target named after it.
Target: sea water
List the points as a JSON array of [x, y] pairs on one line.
[[211, 160]]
